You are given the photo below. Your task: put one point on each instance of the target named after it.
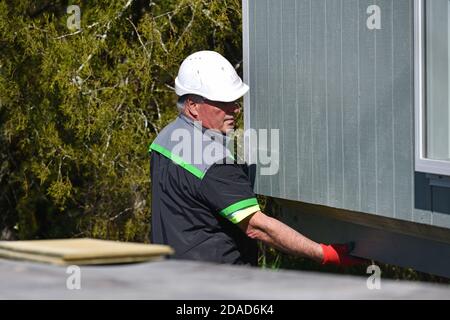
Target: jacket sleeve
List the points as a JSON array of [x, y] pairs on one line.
[[227, 191]]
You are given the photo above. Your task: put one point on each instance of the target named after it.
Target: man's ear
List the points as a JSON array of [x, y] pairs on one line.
[[192, 107]]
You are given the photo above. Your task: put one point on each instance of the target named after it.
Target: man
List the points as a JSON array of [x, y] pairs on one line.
[[203, 204]]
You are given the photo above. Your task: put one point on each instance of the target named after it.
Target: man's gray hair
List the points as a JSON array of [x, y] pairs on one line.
[[182, 100]]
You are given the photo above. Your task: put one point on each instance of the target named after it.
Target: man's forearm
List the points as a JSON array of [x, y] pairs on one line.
[[277, 234]]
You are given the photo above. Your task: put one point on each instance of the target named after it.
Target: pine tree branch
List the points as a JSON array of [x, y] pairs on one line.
[[140, 40], [69, 34], [103, 36], [187, 27]]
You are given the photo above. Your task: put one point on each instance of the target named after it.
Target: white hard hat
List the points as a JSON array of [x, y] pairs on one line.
[[210, 75]]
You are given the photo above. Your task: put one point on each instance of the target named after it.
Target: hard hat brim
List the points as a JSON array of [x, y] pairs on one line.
[[222, 97]]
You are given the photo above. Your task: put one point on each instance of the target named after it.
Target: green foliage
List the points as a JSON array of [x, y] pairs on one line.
[[79, 108]]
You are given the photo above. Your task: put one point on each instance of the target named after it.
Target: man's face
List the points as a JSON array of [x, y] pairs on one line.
[[216, 115]]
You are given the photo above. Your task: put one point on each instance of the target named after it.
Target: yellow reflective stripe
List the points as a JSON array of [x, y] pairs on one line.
[[240, 215], [238, 206]]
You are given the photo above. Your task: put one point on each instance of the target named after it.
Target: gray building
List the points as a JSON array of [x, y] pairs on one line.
[[359, 91]]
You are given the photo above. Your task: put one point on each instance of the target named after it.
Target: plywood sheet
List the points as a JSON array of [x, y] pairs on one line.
[[82, 251]]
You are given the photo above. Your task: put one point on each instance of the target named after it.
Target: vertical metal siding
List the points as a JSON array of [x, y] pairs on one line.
[[350, 102], [342, 97], [303, 116], [289, 33], [403, 114], [260, 82], [368, 112], [275, 88], [334, 102], [384, 111], [319, 112]]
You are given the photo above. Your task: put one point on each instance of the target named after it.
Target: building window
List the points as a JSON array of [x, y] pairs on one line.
[[432, 86]]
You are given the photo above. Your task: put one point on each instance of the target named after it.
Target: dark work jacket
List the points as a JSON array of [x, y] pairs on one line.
[[196, 204]]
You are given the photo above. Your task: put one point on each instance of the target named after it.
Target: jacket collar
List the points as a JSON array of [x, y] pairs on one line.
[[214, 135]]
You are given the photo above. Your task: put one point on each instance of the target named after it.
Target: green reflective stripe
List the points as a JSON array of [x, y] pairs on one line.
[[239, 206], [150, 148], [187, 166]]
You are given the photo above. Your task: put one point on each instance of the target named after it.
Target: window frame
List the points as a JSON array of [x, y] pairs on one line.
[[422, 164]]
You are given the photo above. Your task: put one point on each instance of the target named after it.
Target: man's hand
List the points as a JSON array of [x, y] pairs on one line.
[[338, 254]]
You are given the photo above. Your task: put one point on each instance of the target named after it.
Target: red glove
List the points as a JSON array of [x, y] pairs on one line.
[[338, 254]]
